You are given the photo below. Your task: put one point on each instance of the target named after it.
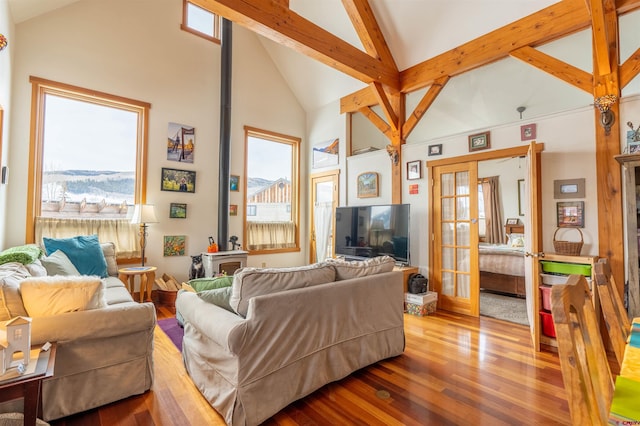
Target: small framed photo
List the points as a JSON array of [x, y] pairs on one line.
[[528, 132], [367, 185], [479, 141], [568, 188], [634, 147], [570, 214], [414, 170], [435, 149], [513, 221], [234, 183], [178, 180], [178, 211], [174, 245], [233, 210]]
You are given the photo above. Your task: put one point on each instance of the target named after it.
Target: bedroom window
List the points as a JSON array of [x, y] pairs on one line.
[[200, 22], [88, 158], [272, 192]]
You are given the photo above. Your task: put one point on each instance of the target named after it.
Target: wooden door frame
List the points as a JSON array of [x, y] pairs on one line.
[[335, 174]]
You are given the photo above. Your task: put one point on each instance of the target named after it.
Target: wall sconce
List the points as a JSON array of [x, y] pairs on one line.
[[604, 104], [392, 150], [3, 42]]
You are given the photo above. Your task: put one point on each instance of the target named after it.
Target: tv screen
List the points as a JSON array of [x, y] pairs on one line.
[[370, 231]]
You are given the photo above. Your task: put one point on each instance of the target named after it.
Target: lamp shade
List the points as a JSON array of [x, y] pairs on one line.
[[144, 213]]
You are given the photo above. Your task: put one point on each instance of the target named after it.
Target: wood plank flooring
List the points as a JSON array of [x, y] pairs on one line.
[[456, 370]]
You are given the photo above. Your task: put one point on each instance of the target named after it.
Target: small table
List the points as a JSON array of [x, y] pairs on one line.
[[147, 276], [29, 385]]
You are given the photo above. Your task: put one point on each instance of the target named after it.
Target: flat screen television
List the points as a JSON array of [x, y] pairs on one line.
[[369, 231]]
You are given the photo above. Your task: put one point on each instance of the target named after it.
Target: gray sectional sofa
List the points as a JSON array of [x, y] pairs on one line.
[[103, 355], [288, 332]]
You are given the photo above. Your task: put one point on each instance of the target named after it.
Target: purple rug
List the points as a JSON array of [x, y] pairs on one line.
[[173, 330]]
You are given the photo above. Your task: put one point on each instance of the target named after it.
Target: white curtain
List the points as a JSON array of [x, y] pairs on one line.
[[271, 235], [121, 232], [322, 218]]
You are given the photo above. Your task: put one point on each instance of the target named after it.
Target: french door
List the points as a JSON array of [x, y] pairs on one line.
[[324, 200], [455, 237]]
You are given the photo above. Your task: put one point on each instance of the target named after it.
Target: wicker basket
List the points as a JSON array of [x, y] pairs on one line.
[[569, 248]]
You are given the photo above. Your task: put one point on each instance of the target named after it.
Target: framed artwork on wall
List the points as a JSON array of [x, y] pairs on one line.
[[414, 170], [178, 180], [174, 245], [435, 149], [234, 183], [570, 214], [479, 141], [528, 132], [233, 210], [178, 211], [181, 142], [568, 188], [367, 185]]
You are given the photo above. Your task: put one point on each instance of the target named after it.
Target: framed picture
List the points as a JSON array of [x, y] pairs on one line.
[[634, 147], [479, 141], [325, 153], [435, 149], [414, 170], [570, 214], [178, 180], [522, 193], [568, 188], [181, 142], [513, 221], [234, 183], [233, 210], [178, 211], [527, 132], [367, 185], [174, 245]]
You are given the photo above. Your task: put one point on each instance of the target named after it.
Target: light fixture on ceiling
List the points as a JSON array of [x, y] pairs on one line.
[[521, 109], [604, 104]]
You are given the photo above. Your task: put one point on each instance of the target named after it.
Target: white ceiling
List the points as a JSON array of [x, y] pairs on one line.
[[416, 30]]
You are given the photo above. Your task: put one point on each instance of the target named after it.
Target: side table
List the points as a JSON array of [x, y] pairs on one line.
[[147, 276], [29, 385]]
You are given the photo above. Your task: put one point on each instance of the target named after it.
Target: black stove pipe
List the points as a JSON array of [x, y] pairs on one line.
[[225, 135]]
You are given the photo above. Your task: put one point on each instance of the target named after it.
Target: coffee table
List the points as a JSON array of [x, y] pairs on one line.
[[29, 385]]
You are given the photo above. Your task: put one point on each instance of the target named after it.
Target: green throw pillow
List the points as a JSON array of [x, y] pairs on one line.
[[201, 284], [218, 296], [22, 254]]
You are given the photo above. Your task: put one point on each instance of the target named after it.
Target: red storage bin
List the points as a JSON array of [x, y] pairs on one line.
[[545, 293], [546, 320]]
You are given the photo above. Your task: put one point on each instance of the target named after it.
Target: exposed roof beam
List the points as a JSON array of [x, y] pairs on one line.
[[630, 68], [424, 105], [366, 25], [377, 121], [384, 102], [599, 31], [568, 73], [273, 21]]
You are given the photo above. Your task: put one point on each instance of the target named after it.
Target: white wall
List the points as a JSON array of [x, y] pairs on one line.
[[6, 58], [136, 49]]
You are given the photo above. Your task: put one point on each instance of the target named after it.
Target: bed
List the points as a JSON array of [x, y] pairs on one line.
[[502, 268]]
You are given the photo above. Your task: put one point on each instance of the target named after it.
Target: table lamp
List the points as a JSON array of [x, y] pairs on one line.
[[143, 214]]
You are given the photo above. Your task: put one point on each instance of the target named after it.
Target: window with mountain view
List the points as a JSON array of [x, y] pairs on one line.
[[271, 205], [89, 159]]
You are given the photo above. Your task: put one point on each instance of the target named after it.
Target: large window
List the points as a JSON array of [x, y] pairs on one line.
[[201, 22], [272, 192], [88, 159]]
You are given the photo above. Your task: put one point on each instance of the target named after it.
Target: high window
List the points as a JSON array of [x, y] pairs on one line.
[[200, 22], [272, 192], [88, 160]]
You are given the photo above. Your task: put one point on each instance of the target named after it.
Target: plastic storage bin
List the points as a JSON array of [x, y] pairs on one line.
[[546, 320], [545, 293], [565, 268]]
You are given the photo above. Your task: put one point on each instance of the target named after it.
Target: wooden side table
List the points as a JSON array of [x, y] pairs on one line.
[[29, 386], [147, 276]]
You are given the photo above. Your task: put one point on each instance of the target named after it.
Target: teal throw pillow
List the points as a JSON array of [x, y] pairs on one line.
[[22, 254], [218, 296], [59, 264], [83, 251], [201, 284]]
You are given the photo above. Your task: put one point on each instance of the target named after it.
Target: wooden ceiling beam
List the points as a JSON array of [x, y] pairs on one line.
[[280, 24], [377, 121], [385, 103], [629, 69], [568, 73], [598, 29], [424, 105], [367, 28]]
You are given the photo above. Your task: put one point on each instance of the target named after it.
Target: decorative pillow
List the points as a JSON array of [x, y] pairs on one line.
[[83, 251], [201, 284], [109, 252], [346, 270], [46, 296], [10, 300], [516, 240], [218, 296], [250, 282], [36, 269], [59, 264], [22, 254]]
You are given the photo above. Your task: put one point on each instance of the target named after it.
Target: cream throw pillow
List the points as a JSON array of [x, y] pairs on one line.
[[46, 296]]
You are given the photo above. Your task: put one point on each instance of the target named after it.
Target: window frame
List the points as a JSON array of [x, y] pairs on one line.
[[217, 23], [39, 89], [295, 143]]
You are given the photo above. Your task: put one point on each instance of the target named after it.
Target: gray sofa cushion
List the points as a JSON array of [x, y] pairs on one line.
[[250, 282], [346, 270]]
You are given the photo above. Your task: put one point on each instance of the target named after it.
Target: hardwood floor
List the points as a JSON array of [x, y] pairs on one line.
[[456, 370]]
